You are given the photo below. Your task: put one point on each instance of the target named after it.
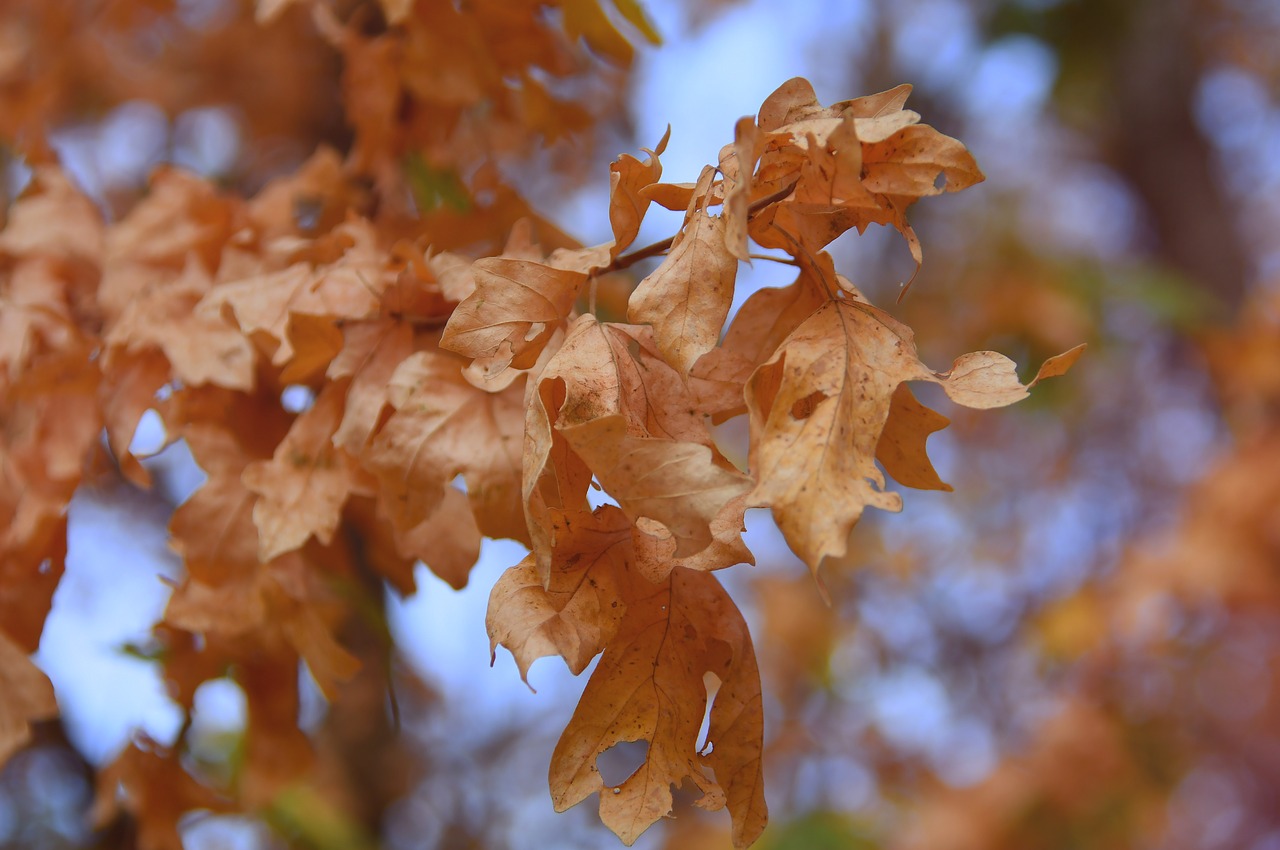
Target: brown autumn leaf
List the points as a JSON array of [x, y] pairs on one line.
[[213, 530], [201, 347], [277, 605], [348, 288], [687, 297], [130, 383], [859, 163], [760, 326], [737, 164], [508, 319], [370, 354], [818, 410], [447, 540], [628, 178], [25, 696], [577, 612], [149, 782], [623, 416], [443, 426], [901, 449], [650, 688], [302, 489]]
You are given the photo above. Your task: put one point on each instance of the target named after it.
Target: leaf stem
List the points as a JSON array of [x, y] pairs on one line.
[[628, 260]]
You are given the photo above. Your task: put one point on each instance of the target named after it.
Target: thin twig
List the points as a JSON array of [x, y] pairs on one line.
[[786, 261], [665, 245]]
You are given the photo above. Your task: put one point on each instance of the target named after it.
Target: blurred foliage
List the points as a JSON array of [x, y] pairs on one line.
[[1078, 648]]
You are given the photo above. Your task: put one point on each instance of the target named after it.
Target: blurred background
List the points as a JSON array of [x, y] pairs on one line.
[[1079, 647]]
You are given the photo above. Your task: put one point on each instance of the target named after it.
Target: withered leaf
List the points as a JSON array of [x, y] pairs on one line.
[[650, 685], [515, 307], [622, 415], [818, 410], [302, 489], [577, 612], [901, 450], [25, 696], [443, 426], [687, 297]]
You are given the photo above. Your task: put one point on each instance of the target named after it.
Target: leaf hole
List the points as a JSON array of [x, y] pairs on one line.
[[297, 398], [149, 437], [803, 408], [620, 761], [940, 182], [597, 496], [712, 683]]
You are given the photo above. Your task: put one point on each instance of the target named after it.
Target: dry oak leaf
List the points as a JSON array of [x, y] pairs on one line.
[[901, 450], [150, 783], [655, 546], [53, 219], [349, 288], [628, 177], [181, 214], [687, 297], [213, 530], [202, 348], [302, 489], [370, 354], [130, 382], [554, 478], [25, 696], [651, 685], [577, 612], [763, 322], [443, 427], [860, 162], [818, 409], [515, 308], [447, 541], [628, 416], [737, 164], [35, 315], [281, 604]]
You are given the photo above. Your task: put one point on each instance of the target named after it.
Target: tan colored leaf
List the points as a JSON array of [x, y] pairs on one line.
[[819, 409], [447, 541], [651, 687], [213, 530], [149, 782], [687, 298], [737, 163], [25, 696], [655, 546], [444, 427], [515, 307], [554, 478], [986, 379], [315, 341], [631, 420], [201, 346], [278, 604], [760, 326], [370, 354], [53, 219], [130, 384], [911, 161], [303, 487], [348, 288], [578, 611], [628, 177], [901, 450]]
